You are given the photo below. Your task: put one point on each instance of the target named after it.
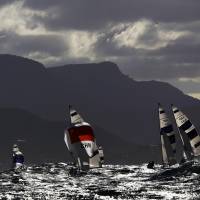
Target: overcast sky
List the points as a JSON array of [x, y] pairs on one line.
[[148, 39]]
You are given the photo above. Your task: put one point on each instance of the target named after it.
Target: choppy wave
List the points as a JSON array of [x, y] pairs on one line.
[[58, 181]]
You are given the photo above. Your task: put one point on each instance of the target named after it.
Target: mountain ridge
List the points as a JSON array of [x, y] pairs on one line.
[[120, 106]]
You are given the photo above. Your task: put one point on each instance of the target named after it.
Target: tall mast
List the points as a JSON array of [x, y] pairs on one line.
[[67, 137], [163, 148], [70, 121], [161, 137]]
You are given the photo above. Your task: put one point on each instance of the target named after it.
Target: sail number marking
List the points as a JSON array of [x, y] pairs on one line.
[[182, 119], [86, 145]]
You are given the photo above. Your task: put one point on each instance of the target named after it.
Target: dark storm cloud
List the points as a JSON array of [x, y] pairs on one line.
[[164, 68], [187, 86], [4, 2], [180, 53], [176, 59], [16, 44], [95, 14], [43, 43], [150, 51], [151, 69], [106, 47], [179, 58]]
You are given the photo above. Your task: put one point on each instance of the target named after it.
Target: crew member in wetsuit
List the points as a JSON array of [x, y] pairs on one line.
[[18, 157]]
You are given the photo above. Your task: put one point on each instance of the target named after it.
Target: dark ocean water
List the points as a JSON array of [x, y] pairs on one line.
[[56, 181]]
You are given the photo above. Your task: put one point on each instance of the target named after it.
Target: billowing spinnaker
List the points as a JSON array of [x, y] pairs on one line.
[[185, 125], [83, 135], [167, 133]]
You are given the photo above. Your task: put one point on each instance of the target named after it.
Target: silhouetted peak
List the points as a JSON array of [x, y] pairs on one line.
[[8, 61], [94, 68]]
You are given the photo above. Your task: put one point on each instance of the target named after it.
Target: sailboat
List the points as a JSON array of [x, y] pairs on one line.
[[81, 143], [188, 133], [18, 158], [190, 141], [168, 139]]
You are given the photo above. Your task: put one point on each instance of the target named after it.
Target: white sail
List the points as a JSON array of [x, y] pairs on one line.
[[185, 125], [101, 154], [75, 117], [95, 160], [67, 140], [164, 152], [80, 140], [76, 148], [168, 140]]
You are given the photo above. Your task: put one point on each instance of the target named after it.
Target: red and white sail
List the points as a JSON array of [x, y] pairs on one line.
[[80, 139], [168, 139], [185, 125], [83, 134]]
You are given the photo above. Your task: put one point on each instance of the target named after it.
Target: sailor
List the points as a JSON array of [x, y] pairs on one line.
[[150, 165], [18, 157]]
